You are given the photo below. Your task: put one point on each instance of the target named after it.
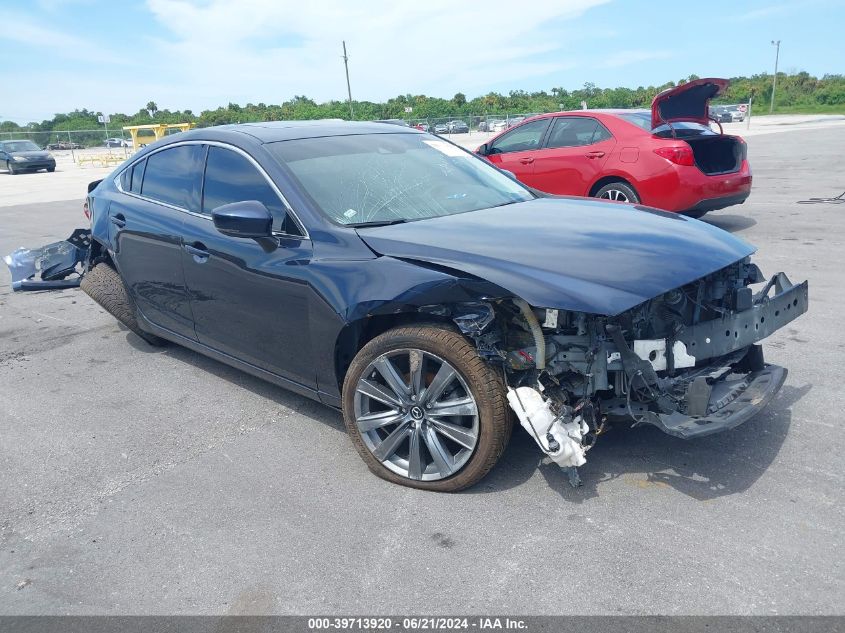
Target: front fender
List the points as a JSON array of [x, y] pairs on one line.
[[346, 297]]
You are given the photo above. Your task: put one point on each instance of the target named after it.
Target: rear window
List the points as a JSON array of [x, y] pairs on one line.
[[682, 128], [637, 118]]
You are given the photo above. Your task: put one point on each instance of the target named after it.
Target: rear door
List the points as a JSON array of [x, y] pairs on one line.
[[146, 230], [249, 300], [516, 150], [573, 155]]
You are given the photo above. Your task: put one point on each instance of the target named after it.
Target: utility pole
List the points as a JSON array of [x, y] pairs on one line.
[[348, 88], [776, 44]]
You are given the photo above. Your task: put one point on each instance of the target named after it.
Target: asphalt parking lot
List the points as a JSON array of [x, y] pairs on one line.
[[147, 480]]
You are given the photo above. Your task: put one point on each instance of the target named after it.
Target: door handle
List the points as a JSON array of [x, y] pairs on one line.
[[526, 161], [595, 154], [118, 220], [198, 251]]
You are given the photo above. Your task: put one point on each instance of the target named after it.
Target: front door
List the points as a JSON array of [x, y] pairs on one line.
[[249, 300], [516, 150]]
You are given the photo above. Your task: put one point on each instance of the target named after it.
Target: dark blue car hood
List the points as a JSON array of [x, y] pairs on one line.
[[565, 253]]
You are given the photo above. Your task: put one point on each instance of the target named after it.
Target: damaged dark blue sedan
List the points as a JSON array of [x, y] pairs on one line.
[[391, 274]]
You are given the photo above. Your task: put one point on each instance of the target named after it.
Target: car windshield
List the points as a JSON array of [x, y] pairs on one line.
[[384, 178], [20, 146]]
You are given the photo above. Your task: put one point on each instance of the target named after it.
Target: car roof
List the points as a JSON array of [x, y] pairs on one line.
[[273, 131]]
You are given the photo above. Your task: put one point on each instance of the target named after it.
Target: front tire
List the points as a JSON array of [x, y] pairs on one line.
[[11, 168], [424, 410], [619, 192]]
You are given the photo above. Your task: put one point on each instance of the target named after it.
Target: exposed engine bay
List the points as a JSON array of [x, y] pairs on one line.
[[686, 361]]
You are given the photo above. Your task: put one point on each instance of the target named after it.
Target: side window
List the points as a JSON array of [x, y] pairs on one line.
[[171, 176], [601, 133], [136, 177], [574, 131], [229, 177], [523, 138]]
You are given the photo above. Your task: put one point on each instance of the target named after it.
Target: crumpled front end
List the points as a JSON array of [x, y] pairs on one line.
[[688, 361], [54, 266]]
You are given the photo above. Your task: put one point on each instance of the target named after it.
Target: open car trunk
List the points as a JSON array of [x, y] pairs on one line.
[[717, 154]]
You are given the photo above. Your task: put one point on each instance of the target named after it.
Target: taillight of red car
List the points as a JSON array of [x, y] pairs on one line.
[[678, 155]]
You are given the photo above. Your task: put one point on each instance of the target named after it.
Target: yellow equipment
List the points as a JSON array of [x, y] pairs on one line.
[[146, 134]]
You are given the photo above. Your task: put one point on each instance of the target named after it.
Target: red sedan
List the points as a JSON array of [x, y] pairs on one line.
[[668, 158]]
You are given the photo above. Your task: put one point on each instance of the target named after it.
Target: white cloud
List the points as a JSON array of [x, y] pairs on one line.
[[207, 53], [21, 29], [266, 50]]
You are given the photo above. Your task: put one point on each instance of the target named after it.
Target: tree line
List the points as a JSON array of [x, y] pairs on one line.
[[796, 92]]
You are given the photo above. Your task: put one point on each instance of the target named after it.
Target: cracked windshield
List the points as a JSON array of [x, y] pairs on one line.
[[373, 179]]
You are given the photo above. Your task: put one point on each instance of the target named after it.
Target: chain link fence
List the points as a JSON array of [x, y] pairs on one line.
[[117, 139], [72, 139]]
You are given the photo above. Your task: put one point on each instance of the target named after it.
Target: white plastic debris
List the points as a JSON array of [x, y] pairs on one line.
[[536, 417]]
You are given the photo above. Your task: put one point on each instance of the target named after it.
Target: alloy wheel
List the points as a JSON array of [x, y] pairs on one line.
[[615, 194], [416, 414]]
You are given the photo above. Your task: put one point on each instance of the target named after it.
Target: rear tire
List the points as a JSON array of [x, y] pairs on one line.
[[455, 447], [694, 214], [105, 286], [618, 191]]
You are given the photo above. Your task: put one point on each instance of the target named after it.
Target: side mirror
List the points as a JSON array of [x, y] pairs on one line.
[[249, 218], [483, 150]]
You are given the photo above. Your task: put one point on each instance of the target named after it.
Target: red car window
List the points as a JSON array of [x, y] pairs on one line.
[[574, 131], [520, 139]]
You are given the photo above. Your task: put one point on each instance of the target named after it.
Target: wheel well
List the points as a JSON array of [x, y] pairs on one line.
[[601, 182], [99, 254], [358, 333]]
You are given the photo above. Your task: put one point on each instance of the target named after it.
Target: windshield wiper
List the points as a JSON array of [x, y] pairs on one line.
[[358, 225]]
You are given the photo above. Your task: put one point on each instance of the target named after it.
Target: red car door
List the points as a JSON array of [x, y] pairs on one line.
[[573, 156], [515, 150]]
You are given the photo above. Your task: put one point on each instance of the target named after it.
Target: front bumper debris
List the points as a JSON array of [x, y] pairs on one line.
[[54, 266], [727, 403], [726, 382]]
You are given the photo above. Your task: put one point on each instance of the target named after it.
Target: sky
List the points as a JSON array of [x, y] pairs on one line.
[[115, 56]]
